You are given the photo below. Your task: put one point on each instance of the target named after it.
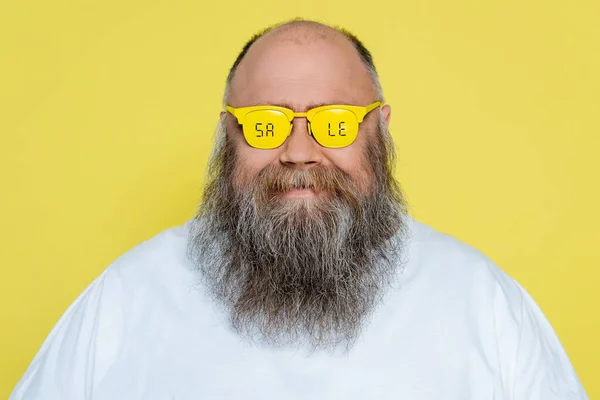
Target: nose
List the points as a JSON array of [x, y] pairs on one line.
[[300, 150]]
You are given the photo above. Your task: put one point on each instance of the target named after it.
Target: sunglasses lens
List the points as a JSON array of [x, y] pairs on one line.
[[266, 129], [334, 128]]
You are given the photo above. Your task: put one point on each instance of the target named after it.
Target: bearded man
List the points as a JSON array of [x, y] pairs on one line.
[[302, 276]]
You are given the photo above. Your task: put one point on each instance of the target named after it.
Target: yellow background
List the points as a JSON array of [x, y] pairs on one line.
[[107, 111]]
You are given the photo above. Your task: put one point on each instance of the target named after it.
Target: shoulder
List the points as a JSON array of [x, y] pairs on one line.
[[141, 288], [169, 245], [442, 258], [155, 275], [160, 261], [456, 277], [462, 278]]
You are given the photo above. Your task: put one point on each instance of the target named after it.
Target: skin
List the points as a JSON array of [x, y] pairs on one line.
[[300, 68]]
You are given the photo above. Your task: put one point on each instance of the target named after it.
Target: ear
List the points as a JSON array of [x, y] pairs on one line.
[[221, 114], [387, 113]]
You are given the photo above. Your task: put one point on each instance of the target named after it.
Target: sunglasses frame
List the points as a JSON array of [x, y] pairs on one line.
[[359, 111]]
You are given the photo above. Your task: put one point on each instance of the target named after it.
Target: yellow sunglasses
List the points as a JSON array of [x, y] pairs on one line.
[[332, 126]]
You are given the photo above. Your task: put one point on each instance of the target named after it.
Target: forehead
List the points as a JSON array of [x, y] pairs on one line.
[[301, 73]]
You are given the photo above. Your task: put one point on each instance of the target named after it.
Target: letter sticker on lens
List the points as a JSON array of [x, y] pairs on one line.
[[334, 128], [266, 129]]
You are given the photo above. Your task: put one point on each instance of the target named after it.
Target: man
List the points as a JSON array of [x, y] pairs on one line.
[[302, 277]]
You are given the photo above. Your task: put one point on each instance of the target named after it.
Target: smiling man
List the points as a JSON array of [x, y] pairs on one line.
[[302, 275]]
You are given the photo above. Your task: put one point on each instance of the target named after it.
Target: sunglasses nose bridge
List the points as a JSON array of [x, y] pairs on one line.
[[300, 123]]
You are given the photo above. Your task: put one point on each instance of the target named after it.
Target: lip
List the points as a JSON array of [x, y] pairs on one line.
[[299, 193]]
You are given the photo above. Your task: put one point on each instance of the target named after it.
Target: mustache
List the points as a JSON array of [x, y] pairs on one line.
[[319, 178]]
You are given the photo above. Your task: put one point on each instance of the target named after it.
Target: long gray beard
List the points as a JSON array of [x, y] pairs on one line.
[[298, 272]]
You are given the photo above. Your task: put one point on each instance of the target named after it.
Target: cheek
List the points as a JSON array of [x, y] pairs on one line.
[[249, 163], [352, 161]]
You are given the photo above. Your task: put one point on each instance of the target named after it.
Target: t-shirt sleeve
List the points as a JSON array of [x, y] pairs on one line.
[[542, 370], [63, 368]]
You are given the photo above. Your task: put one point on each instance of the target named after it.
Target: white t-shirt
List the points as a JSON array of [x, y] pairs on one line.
[[454, 327]]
